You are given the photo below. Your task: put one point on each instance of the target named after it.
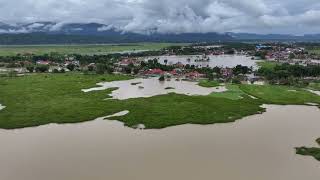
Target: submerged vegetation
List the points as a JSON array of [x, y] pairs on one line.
[[66, 103], [206, 83], [314, 152]]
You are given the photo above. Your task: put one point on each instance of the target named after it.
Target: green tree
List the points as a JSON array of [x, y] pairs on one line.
[[100, 68], [71, 67], [30, 68], [42, 68]]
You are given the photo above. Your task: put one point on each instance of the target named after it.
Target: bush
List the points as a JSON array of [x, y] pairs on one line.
[[90, 68], [71, 67], [162, 78], [55, 71], [100, 68], [30, 68], [42, 68], [236, 81]]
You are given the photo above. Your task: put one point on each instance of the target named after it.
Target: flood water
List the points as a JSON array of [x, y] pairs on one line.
[[2, 107], [215, 60], [314, 92], [153, 87], [259, 147]]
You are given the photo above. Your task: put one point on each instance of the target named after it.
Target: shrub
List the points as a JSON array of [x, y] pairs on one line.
[[162, 78], [30, 68], [42, 68], [71, 67], [55, 71]]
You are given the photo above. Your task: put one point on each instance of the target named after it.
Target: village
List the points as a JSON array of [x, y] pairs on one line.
[[197, 63]]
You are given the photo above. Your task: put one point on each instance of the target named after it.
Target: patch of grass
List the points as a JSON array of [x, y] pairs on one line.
[[134, 84], [233, 93], [53, 98], [208, 84], [314, 152], [267, 64], [80, 49], [281, 95], [315, 50], [314, 86]]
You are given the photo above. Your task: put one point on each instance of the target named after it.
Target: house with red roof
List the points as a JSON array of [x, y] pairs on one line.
[[154, 72], [194, 75]]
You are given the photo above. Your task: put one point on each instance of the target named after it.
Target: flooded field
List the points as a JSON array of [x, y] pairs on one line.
[[259, 147], [152, 87], [220, 60]]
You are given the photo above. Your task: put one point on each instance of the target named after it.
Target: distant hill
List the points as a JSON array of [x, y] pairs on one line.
[[88, 33], [275, 37], [53, 33]]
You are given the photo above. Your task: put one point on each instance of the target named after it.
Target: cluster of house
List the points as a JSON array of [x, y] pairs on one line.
[[179, 70], [291, 55]]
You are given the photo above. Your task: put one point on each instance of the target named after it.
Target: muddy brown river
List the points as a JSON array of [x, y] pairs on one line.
[[259, 147]]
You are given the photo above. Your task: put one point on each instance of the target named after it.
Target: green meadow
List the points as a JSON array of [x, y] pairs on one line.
[[40, 99], [80, 49]]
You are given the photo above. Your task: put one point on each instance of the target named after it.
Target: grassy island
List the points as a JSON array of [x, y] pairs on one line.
[[208, 84], [314, 152]]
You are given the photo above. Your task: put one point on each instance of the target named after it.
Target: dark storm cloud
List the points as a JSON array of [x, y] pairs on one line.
[[172, 16]]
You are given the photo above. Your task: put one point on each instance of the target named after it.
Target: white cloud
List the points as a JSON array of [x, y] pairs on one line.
[[171, 16]]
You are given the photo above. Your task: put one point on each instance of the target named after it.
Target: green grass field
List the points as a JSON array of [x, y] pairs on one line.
[[40, 99], [233, 93], [314, 51], [57, 98], [80, 49], [267, 64], [282, 95]]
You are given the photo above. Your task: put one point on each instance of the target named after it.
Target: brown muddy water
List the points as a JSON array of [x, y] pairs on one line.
[[215, 60], [137, 88], [259, 147]]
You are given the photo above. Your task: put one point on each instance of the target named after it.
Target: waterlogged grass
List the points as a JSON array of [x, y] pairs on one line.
[[170, 110], [305, 151], [57, 98], [281, 95], [233, 93], [53, 98], [208, 84]]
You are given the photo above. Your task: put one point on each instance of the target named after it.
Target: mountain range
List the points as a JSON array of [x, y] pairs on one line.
[[86, 33]]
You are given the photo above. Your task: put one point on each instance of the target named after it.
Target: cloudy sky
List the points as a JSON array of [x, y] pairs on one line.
[[259, 16]]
